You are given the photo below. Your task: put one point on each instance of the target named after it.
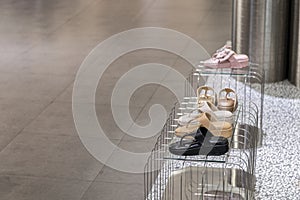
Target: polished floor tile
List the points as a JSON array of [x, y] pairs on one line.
[[39, 155], [15, 116], [57, 120], [42, 45], [29, 188], [45, 63], [182, 66], [32, 86], [137, 146], [108, 174], [104, 91], [109, 191]]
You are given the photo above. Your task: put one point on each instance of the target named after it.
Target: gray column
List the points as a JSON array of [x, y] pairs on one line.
[[260, 29], [294, 70]]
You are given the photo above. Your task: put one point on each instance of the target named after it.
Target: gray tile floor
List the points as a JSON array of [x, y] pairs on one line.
[[42, 45]]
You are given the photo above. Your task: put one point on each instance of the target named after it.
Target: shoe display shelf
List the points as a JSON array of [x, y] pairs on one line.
[[200, 177]]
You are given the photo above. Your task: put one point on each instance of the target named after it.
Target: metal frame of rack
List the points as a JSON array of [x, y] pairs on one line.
[[230, 176]]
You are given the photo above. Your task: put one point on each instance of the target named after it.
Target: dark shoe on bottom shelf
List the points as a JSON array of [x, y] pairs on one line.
[[203, 144]]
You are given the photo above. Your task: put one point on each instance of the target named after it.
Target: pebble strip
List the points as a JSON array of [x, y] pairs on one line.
[[278, 161]]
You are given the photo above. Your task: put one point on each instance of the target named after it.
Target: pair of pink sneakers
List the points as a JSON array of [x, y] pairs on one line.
[[226, 58]]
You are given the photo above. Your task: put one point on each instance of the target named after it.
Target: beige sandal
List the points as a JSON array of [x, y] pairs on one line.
[[217, 128], [220, 115], [226, 102], [202, 94], [190, 127]]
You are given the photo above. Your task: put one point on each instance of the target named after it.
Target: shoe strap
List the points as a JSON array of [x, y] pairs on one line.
[[184, 136], [228, 91], [223, 48], [196, 136], [223, 55], [206, 96]]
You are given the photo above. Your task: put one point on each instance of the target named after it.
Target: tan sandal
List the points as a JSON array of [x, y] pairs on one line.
[[226, 102], [202, 94], [217, 128], [190, 127]]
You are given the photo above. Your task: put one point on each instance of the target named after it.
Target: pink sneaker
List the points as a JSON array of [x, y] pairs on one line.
[[227, 58]]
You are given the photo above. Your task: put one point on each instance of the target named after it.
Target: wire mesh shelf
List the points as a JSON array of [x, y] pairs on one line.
[[202, 177]]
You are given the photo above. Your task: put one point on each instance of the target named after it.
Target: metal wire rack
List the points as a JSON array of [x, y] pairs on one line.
[[229, 176]]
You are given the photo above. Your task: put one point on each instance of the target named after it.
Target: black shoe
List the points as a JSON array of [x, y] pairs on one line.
[[203, 144]]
